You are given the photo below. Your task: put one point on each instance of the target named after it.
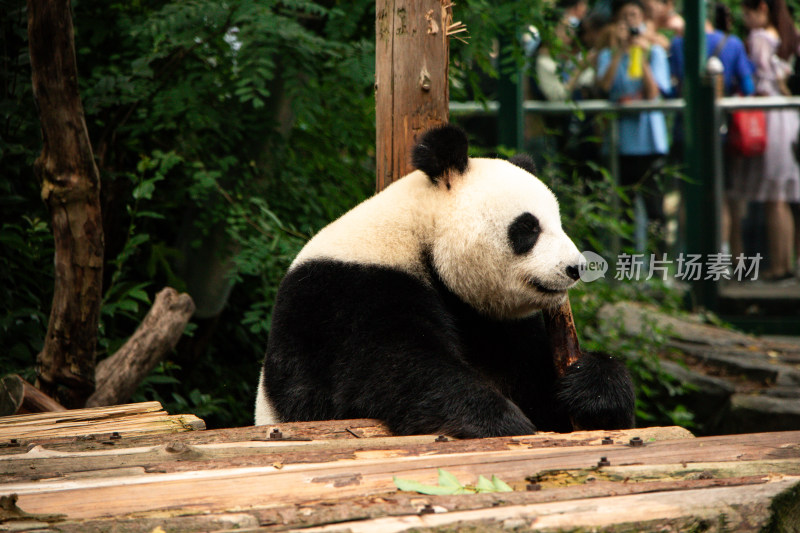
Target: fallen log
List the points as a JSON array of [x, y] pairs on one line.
[[17, 396], [118, 375]]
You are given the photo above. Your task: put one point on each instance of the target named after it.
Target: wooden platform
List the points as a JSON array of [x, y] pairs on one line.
[[128, 470]]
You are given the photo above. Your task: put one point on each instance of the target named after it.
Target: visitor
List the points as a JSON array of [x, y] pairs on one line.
[[663, 19], [737, 78], [633, 68], [774, 177]]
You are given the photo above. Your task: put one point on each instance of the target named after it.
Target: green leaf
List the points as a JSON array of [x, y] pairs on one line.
[[500, 485], [410, 485], [449, 484], [446, 479], [484, 485]]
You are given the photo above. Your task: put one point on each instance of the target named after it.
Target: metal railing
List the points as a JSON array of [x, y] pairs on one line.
[[672, 105], [729, 103]]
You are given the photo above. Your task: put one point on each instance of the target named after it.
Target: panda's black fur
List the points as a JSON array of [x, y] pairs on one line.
[[352, 339]]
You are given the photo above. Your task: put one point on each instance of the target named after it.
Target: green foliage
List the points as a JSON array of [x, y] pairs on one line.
[[201, 404], [234, 130], [23, 325], [449, 484], [474, 53]]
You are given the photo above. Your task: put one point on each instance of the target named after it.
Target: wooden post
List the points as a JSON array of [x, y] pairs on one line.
[[411, 79], [71, 189]]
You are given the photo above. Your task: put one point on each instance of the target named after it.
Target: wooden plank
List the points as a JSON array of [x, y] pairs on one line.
[[268, 485], [326, 430], [294, 431], [319, 513], [41, 462], [715, 470], [146, 417], [240, 478], [745, 508], [83, 414]]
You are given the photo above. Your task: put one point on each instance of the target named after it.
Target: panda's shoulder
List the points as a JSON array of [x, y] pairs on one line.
[[389, 229]]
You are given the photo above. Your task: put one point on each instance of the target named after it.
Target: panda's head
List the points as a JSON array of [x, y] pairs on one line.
[[498, 242]]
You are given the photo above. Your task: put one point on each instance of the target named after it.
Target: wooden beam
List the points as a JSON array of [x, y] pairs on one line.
[[206, 481], [738, 508], [175, 455], [147, 417]]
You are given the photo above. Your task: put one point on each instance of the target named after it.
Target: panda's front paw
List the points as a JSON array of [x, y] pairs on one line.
[[598, 393]]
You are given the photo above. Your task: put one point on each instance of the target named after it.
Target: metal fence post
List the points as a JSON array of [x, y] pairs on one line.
[[510, 116], [613, 164], [702, 217]]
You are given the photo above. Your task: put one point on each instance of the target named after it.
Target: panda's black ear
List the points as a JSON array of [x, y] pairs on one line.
[[525, 162], [441, 150]]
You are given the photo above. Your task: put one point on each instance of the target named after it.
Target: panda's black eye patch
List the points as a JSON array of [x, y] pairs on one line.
[[523, 233]]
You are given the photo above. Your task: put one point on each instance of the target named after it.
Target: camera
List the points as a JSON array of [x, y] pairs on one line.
[[634, 31]]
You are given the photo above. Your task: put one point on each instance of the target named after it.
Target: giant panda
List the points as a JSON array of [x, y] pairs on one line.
[[421, 307]]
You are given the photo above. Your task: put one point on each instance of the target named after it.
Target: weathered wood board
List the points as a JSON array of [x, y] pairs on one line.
[[338, 475], [139, 418]]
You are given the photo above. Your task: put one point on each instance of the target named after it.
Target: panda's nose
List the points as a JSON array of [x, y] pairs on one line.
[[574, 272]]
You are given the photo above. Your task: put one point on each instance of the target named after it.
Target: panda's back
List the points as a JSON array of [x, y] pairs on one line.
[[332, 326]]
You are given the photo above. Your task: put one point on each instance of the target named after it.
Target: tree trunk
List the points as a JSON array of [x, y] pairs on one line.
[[70, 187], [411, 79]]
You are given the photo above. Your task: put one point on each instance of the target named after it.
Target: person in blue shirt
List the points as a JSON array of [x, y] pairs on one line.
[[633, 67], [738, 74], [737, 79]]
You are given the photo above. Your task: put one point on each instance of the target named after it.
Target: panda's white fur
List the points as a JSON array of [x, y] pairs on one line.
[[470, 241], [265, 413], [386, 229]]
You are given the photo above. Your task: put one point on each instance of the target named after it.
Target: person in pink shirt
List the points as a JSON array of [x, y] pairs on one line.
[[773, 178]]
